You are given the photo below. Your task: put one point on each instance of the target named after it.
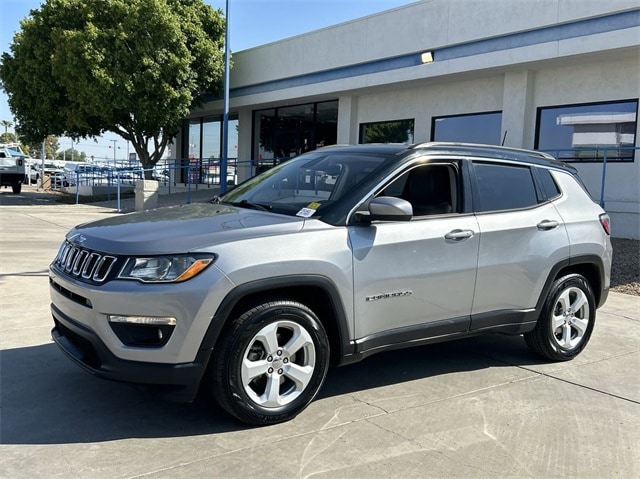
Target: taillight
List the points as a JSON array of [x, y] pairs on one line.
[[605, 221]]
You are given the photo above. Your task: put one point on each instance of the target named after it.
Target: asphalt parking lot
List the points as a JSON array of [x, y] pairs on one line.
[[481, 408]]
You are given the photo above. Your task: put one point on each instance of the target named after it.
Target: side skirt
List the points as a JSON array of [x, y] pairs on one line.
[[501, 322]]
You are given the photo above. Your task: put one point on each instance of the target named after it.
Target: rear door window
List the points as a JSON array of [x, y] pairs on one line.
[[503, 187]]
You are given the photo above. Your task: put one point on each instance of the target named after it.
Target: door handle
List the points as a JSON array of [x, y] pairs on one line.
[[459, 235], [546, 225]]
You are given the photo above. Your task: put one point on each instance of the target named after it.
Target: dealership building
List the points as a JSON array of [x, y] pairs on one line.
[[561, 76]]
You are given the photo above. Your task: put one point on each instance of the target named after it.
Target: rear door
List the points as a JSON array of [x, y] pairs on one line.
[[522, 236]]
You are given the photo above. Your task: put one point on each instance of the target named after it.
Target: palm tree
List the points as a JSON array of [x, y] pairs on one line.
[[6, 124], [5, 137]]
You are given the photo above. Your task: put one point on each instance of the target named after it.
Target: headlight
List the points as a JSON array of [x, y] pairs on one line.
[[165, 269]]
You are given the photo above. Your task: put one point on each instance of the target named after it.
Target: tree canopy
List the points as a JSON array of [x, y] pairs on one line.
[[80, 68]]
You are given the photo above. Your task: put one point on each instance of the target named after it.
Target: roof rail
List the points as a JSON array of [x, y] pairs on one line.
[[476, 146]]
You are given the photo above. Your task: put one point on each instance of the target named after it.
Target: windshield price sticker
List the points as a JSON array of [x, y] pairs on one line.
[[309, 210]]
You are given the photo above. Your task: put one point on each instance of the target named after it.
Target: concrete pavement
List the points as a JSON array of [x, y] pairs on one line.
[[481, 408]]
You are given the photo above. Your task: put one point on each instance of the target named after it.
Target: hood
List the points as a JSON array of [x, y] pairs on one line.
[[180, 229]]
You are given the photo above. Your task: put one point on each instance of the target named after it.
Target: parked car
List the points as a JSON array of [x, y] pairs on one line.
[[31, 174], [12, 166], [85, 174], [328, 258], [59, 180]]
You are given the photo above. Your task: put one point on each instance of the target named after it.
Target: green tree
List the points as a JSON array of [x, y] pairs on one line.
[[34, 149], [7, 137], [67, 155], [80, 68], [51, 145]]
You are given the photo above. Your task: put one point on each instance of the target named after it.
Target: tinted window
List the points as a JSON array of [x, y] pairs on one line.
[[548, 185], [504, 187], [474, 128]]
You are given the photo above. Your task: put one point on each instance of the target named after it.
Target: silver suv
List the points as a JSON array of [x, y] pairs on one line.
[[326, 259]]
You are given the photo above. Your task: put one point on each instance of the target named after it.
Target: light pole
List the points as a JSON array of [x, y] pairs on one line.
[[225, 116], [114, 153]]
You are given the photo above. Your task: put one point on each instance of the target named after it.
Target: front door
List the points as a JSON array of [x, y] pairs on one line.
[[415, 278]]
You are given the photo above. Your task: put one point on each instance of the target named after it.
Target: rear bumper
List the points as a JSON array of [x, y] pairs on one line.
[[177, 382], [9, 179]]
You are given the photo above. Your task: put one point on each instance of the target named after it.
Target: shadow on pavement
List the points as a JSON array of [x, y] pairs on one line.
[[46, 399]]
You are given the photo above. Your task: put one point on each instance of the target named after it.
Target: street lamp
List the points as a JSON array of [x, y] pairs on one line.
[[225, 116], [114, 153]]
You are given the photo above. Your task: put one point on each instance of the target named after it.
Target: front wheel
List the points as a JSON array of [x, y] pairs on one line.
[[270, 363], [567, 319]]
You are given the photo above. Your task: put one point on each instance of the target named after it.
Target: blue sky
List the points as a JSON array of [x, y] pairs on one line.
[[253, 22]]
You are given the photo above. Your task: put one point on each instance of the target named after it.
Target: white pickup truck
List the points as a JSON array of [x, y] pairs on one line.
[[12, 166]]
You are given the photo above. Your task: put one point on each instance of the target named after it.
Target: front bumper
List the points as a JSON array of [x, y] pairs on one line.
[[178, 382], [82, 330]]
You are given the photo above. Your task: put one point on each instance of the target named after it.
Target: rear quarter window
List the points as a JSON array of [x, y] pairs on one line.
[[549, 186], [504, 187]]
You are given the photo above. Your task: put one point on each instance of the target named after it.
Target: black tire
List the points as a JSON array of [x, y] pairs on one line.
[[567, 320], [262, 337], [17, 188]]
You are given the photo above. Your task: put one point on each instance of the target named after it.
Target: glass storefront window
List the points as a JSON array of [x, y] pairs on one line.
[[286, 132], [483, 128], [589, 131], [264, 126], [232, 139], [294, 133], [397, 131], [326, 124], [202, 149], [211, 138], [193, 139]]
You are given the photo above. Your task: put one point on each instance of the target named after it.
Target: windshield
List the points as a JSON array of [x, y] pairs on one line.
[[309, 184]]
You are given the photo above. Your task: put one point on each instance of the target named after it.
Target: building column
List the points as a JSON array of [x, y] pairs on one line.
[[245, 144], [348, 120], [518, 113]]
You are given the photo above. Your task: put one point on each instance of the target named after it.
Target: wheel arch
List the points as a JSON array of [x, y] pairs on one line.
[[314, 291], [589, 266]]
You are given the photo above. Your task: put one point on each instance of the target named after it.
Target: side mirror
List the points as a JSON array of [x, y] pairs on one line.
[[389, 208]]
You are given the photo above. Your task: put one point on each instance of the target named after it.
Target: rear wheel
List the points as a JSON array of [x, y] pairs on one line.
[[270, 363], [567, 319]]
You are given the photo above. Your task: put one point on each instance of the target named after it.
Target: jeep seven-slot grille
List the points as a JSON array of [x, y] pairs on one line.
[[84, 264]]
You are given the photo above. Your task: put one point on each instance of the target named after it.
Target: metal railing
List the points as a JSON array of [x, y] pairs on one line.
[[596, 155]]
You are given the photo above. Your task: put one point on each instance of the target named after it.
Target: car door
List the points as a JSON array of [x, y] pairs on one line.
[[521, 237], [416, 278]]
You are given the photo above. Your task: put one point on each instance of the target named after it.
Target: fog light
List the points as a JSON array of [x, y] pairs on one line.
[[147, 320], [142, 331]]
